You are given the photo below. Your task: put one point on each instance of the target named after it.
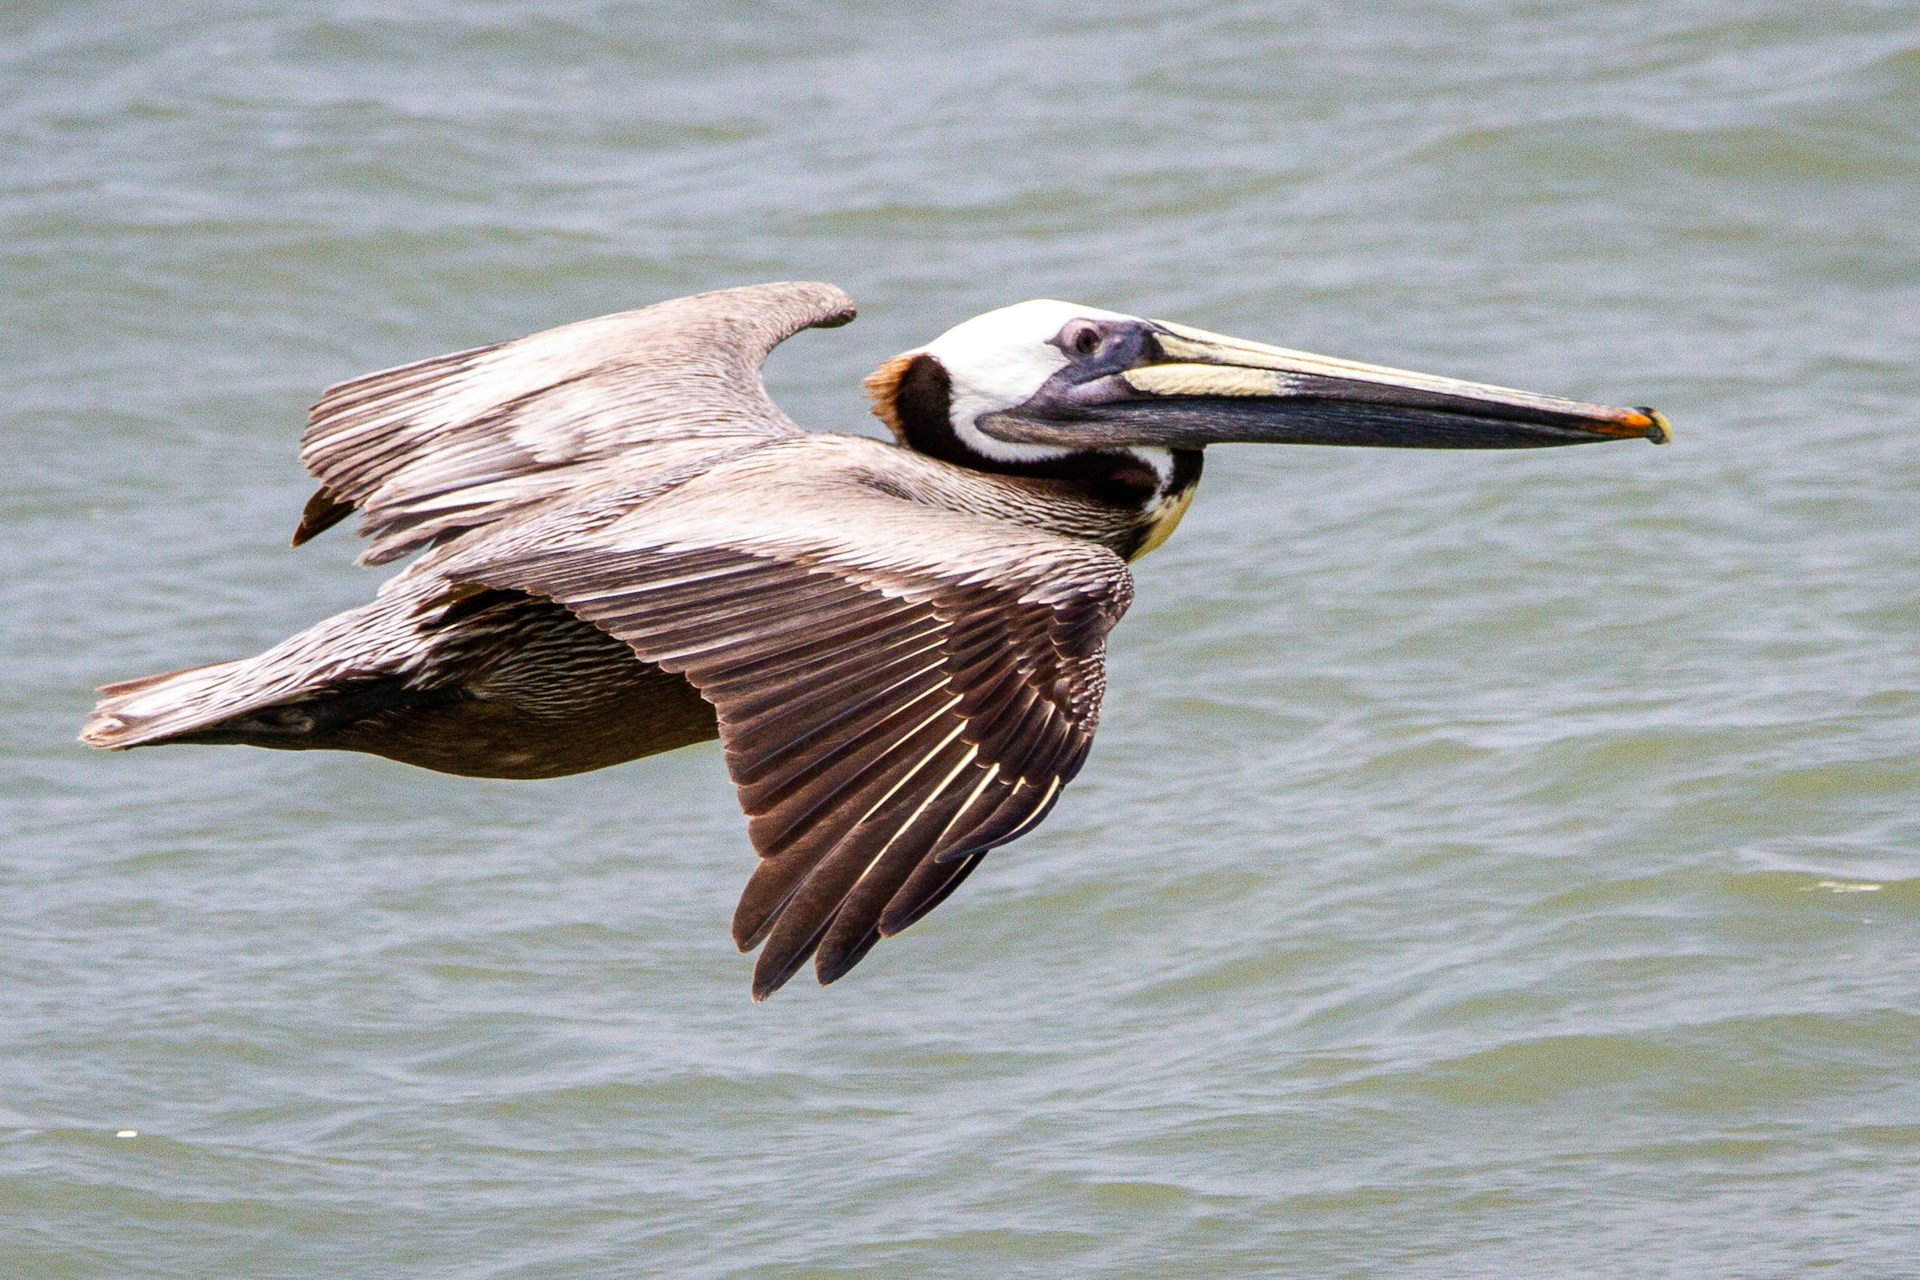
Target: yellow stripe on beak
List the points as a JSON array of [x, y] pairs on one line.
[[1205, 380]]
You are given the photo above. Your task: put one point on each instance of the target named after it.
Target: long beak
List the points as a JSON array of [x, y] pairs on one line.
[[1199, 388]]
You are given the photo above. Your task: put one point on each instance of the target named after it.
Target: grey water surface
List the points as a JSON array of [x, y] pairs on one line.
[[1490, 865]]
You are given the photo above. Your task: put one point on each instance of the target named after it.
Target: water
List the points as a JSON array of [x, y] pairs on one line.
[[1489, 865]]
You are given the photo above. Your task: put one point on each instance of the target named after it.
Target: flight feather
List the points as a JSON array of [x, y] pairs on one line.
[[899, 688], [431, 450]]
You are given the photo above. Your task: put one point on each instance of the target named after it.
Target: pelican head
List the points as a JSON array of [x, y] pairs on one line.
[[1044, 379]]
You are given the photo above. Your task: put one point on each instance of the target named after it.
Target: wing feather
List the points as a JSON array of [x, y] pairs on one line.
[[900, 688], [432, 449], [931, 884]]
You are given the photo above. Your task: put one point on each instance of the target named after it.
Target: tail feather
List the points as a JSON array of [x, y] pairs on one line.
[[119, 688], [155, 708], [345, 650]]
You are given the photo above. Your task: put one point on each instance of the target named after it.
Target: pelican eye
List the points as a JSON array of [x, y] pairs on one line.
[[1083, 339]]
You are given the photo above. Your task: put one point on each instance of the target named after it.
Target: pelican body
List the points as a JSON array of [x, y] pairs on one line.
[[622, 546]]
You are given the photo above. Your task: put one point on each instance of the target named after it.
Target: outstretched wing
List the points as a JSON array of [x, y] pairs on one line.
[[899, 688], [429, 450]]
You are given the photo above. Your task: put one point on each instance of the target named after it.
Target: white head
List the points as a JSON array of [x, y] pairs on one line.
[[999, 360]]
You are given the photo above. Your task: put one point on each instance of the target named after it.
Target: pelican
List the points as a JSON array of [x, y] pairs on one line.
[[622, 546]]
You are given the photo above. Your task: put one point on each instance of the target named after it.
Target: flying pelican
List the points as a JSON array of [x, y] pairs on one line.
[[626, 547]]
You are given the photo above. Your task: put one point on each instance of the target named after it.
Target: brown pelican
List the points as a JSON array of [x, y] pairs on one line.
[[626, 547]]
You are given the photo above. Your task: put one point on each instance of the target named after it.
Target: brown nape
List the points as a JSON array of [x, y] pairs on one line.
[[913, 395], [883, 388]]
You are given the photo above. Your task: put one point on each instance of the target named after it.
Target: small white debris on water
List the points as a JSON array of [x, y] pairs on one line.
[[1845, 886], [127, 1133]]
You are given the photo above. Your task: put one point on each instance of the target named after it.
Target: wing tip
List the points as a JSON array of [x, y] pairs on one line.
[[830, 969], [322, 512], [833, 305], [768, 979]]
